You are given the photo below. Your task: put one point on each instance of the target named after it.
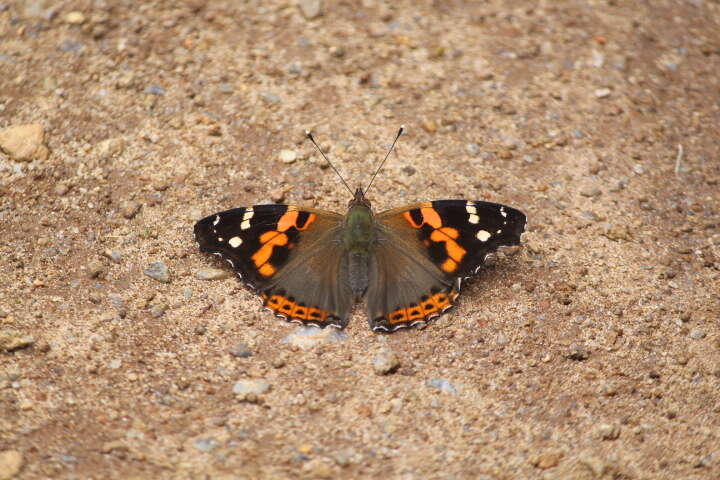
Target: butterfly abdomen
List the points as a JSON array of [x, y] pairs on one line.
[[359, 239], [358, 273]]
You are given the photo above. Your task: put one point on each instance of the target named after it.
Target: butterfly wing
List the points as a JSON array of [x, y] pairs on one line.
[[288, 255], [425, 250]]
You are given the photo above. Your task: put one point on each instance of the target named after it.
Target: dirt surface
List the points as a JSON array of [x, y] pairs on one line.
[[594, 352]]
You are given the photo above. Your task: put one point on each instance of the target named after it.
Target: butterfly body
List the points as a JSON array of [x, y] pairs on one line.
[[311, 266], [359, 239]]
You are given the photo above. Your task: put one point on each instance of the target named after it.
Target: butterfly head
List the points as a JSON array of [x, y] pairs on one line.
[[359, 199]]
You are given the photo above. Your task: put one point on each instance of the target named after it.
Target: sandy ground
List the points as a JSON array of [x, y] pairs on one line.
[[592, 353]]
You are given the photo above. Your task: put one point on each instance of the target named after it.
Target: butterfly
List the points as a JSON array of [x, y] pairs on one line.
[[311, 266]]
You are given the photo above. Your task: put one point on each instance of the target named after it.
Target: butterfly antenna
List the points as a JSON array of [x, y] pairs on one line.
[[309, 135], [400, 132]]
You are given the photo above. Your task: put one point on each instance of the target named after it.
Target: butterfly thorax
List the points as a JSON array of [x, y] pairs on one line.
[[359, 241]]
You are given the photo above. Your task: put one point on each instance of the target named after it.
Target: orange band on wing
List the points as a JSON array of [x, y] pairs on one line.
[[432, 304], [269, 240], [290, 220], [429, 215], [449, 265], [454, 250], [293, 310]]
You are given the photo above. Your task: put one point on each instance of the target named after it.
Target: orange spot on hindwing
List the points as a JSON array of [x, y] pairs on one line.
[[428, 306], [289, 309]]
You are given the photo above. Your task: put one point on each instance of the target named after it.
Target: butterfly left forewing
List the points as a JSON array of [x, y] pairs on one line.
[[278, 251]]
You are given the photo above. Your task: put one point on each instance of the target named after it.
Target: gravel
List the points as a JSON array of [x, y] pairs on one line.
[[241, 350], [309, 337], [21, 142], [213, 274], [442, 384], [158, 271], [243, 388], [385, 362]]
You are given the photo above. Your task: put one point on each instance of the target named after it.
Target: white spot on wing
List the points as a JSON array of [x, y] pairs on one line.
[[503, 212], [249, 213], [470, 208], [220, 239], [483, 235], [217, 220], [235, 242]]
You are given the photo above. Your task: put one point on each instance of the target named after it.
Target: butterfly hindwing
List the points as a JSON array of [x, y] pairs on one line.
[[406, 288], [280, 252], [431, 246]]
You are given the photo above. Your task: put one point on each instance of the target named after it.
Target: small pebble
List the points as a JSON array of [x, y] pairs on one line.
[[21, 142], [11, 462], [75, 18], [96, 270], [602, 92], [115, 364], [443, 385], [109, 148], [114, 446], [155, 90], [71, 46], [318, 468], [578, 353], [590, 192], [158, 271], [158, 309], [606, 431], [205, 444], [269, 97], [251, 386], [547, 460], [697, 334], [310, 8], [287, 156], [130, 209], [113, 255], [307, 337], [61, 189], [385, 362], [212, 274], [429, 126], [11, 340], [241, 350], [617, 231], [277, 195]]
